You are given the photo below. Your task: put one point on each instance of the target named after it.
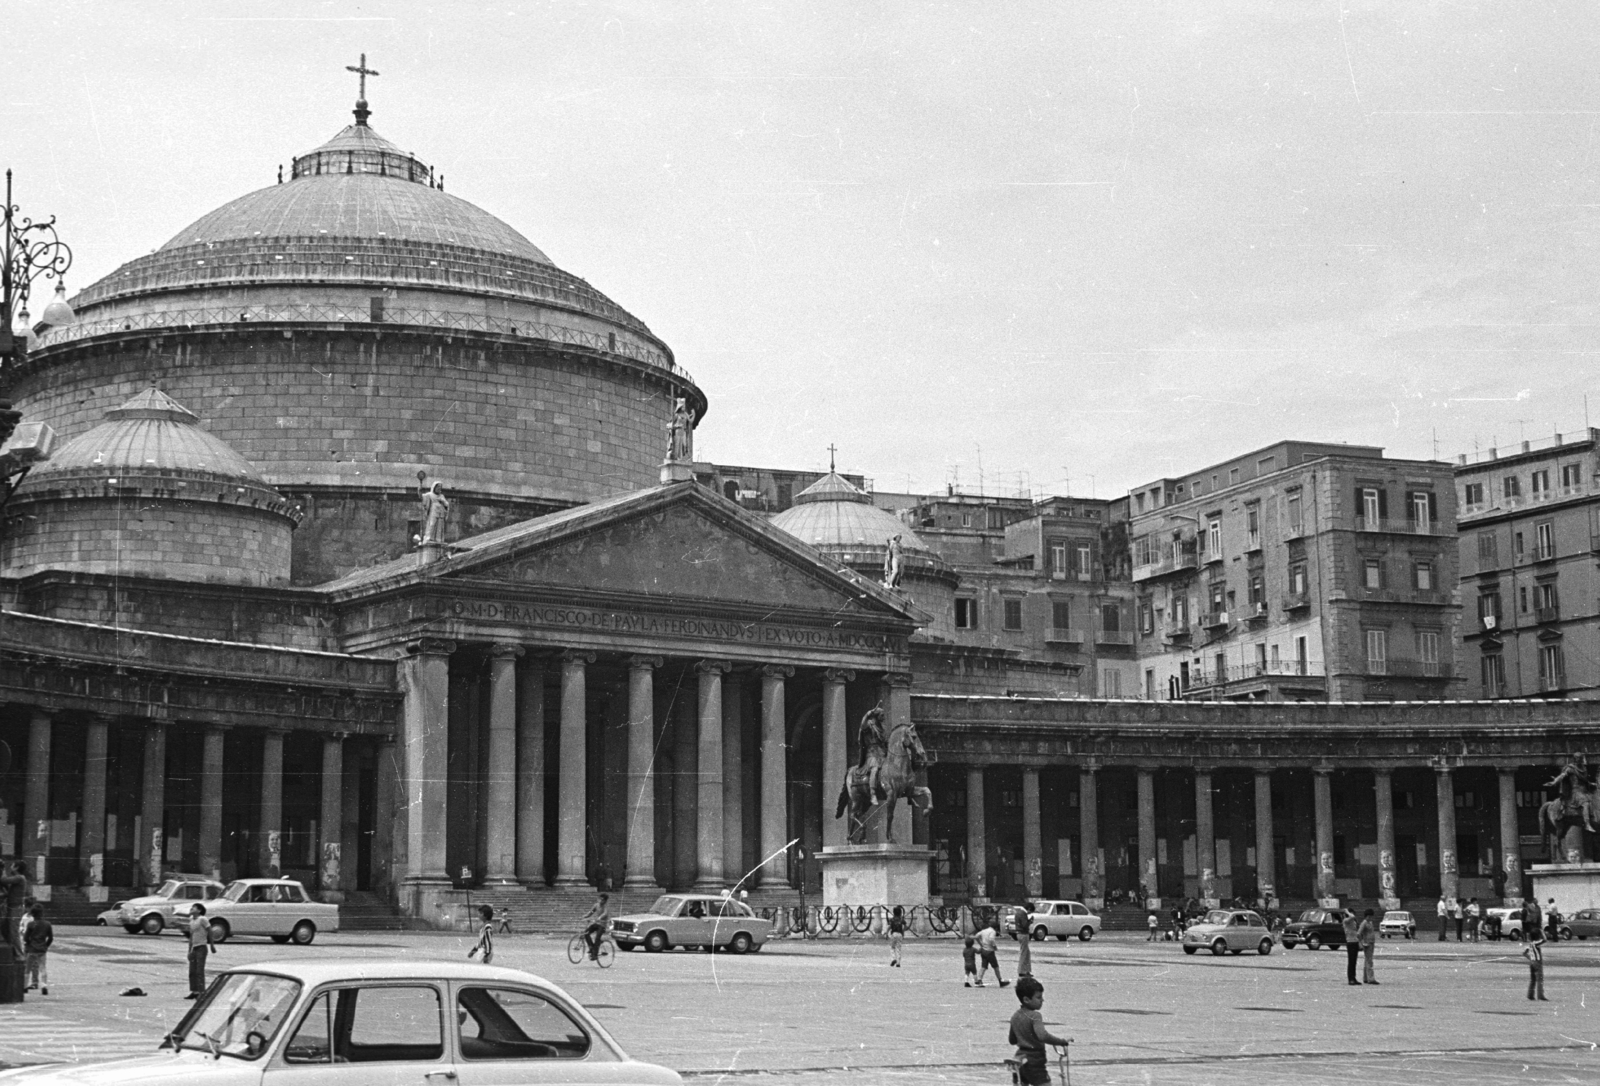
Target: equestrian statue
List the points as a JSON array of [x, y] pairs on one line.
[[885, 771], [1575, 810]]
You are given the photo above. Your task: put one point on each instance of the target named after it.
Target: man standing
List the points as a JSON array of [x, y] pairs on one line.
[[1458, 913], [199, 949], [15, 884], [1444, 916], [1022, 922], [1474, 915], [1368, 936], [1532, 920], [1352, 946], [1552, 922], [1533, 950]]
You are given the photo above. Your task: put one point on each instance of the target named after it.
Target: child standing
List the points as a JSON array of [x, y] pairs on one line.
[[1534, 952], [36, 942], [897, 934], [986, 955], [1029, 1034], [969, 962], [1152, 923], [486, 937]]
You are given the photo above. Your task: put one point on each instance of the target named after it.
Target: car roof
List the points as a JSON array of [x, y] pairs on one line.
[[323, 970], [182, 877], [267, 882]]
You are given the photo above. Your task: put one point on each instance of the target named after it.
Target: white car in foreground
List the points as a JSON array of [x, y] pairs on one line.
[[360, 1021]]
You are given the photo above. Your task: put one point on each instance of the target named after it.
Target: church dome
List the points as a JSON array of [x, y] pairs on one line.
[[149, 434], [58, 312], [834, 514]]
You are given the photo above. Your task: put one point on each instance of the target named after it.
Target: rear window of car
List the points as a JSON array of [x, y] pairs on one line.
[[509, 1024]]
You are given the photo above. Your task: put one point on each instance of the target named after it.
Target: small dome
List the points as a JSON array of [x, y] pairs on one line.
[[58, 312], [834, 514], [150, 434]]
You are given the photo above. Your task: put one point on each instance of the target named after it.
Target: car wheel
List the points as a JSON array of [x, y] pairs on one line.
[[1313, 943], [1564, 932], [1264, 947], [1189, 949], [151, 925], [1041, 933], [131, 929], [219, 931], [303, 933], [656, 942], [740, 943], [1219, 947], [1085, 933], [1516, 936]]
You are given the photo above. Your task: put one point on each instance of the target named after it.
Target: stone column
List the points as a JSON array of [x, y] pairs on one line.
[[1383, 797], [639, 866], [34, 834], [1205, 839], [733, 776], [977, 839], [1089, 836], [270, 843], [572, 867], [331, 823], [709, 876], [1148, 854], [1266, 843], [774, 779], [425, 731], [1510, 840], [153, 804], [897, 711], [92, 839], [500, 814], [835, 755], [211, 801], [530, 773], [1445, 800], [386, 857], [1032, 837], [1322, 800]]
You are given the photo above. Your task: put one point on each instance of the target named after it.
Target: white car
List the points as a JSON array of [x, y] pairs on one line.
[[357, 1021], [693, 920], [1228, 931], [1063, 919], [1397, 922], [169, 905], [279, 908]]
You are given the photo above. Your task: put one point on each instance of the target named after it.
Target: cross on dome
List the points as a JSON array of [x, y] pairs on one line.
[[362, 112]]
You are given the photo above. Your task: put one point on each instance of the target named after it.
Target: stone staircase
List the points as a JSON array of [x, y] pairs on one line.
[[70, 905], [363, 910]]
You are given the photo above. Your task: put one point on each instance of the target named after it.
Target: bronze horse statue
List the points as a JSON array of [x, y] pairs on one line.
[[1577, 807], [887, 771]]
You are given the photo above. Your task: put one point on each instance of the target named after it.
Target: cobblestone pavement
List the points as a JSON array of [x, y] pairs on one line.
[[833, 1011]]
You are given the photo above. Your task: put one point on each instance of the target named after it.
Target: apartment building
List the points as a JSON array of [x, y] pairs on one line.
[[1299, 571], [1529, 535]]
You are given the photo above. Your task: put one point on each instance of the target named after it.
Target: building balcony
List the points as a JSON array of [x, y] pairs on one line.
[[1256, 613], [1546, 616], [1178, 631], [1058, 636], [1249, 680], [1213, 619], [1400, 526], [1252, 542], [1182, 561], [1114, 638], [1553, 684], [1409, 669], [1296, 601]]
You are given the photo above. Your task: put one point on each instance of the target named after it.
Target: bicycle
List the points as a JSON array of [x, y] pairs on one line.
[[1063, 1064], [605, 952]]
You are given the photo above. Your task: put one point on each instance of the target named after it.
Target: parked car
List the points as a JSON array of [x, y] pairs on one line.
[[1397, 922], [1063, 919], [151, 913], [1228, 931], [427, 1021], [1583, 924], [1509, 926], [278, 908], [705, 921], [1316, 928]]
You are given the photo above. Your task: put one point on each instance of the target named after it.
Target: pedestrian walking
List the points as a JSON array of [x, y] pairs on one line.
[[1474, 919], [1532, 919], [1458, 913], [1022, 922], [37, 944], [1177, 924], [1153, 924], [897, 934], [1029, 1034], [1367, 935], [986, 955], [199, 949], [969, 964], [485, 943], [503, 919], [1552, 922], [1352, 946], [1533, 950], [1443, 909]]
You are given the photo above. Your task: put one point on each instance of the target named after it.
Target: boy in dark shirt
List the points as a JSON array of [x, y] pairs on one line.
[[37, 944], [1029, 1034], [969, 962]]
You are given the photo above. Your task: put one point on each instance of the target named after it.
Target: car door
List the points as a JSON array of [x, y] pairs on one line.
[[377, 1034], [508, 1035]]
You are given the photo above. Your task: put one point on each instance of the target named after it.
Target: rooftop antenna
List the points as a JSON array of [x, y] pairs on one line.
[[362, 112], [1091, 484], [980, 468]]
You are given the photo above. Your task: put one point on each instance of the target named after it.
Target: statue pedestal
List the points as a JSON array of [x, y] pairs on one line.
[[1574, 886], [875, 875]]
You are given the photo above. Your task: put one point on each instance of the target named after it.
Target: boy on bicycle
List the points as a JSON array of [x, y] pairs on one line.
[[599, 919], [1029, 1034]]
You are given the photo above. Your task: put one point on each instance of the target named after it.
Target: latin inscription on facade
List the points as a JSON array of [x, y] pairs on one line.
[[558, 617]]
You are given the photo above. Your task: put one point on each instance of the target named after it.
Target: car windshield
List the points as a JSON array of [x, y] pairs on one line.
[[169, 888], [1311, 916], [1217, 916], [239, 1006], [1400, 917], [666, 905], [235, 891]]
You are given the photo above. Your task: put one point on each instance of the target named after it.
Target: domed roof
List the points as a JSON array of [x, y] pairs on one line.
[[834, 514], [150, 434], [58, 312]]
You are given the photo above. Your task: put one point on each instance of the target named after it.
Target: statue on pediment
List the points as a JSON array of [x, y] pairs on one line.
[[894, 563], [680, 441], [435, 509]]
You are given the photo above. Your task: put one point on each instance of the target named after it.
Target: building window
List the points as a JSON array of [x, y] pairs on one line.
[[1252, 527], [1489, 608], [966, 614], [1423, 511], [1149, 684], [1297, 579], [1084, 569], [1544, 541], [1214, 537], [1488, 549], [1218, 592], [1143, 552], [1516, 545], [1511, 487], [1374, 573], [1261, 658], [966, 518], [1552, 668], [1110, 683], [1371, 507], [1522, 596], [1545, 601], [1539, 484], [1061, 614], [1012, 614], [1472, 497], [1058, 557], [1494, 675], [1258, 593], [1296, 524], [1428, 651], [1424, 576], [1138, 502], [1377, 652], [1110, 617], [1571, 478], [1264, 465], [996, 518], [1180, 611], [1233, 476], [1147, 617]]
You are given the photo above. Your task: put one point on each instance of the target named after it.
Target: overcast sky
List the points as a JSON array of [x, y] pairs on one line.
[[1057, 245]]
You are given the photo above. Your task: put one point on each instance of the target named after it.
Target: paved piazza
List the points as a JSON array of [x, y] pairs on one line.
[[800, 1013]]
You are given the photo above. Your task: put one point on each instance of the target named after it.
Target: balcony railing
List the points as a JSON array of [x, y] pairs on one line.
[[1296, 601], [1546, 615], [1059, 636], [1178, 561], [1113, 637], [1550, 684], [1212, 619], [1245, 672], [1256, 612], [1399, 525], [1410, 669], [1178, 631]]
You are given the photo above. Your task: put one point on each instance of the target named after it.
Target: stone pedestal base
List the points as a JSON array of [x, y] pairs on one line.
[[1574, 886], [875, 875]]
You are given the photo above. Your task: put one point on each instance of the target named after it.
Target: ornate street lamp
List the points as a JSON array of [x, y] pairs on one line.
[[30, 249]]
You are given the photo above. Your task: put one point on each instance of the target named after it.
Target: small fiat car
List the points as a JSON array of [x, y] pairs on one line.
[[149, 914], [1228, 931], [1397, 922], [1583, 924], [1502, 923], [1063, 919], [278, 908], [1316, 928], [701, 921], [318, 1022]]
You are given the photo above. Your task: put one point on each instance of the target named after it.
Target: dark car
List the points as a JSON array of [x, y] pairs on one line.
[[1315, 928], [1582, 924]]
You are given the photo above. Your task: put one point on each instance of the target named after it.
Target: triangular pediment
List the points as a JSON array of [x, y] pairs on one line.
[[679, 542]]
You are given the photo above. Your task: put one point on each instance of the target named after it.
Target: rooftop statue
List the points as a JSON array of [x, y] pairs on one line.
[[435, 510]]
